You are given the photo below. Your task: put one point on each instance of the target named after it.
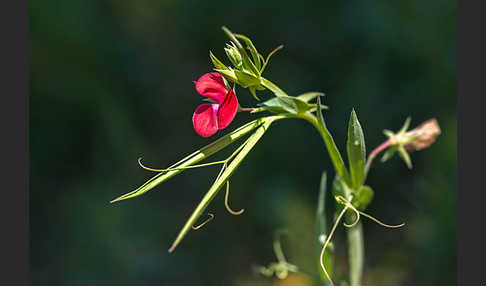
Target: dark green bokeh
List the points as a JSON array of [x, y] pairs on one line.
[[112, 80]]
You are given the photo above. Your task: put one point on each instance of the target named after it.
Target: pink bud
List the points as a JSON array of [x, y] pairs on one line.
[[426, 132]]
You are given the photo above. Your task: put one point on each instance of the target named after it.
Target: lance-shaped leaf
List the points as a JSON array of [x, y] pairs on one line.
[[216, 62], [333, 151], [208, 197], [356, 151], [272, 87], [308, 96], [286, 104], [253, 50], [322, 231], [321, 220], [192, 159]]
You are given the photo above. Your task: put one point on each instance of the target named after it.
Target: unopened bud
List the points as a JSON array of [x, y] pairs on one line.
[[425, 135], [234, 55]]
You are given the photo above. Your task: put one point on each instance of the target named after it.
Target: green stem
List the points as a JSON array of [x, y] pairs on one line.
[[332, 149], [354, 234], [355, 254]]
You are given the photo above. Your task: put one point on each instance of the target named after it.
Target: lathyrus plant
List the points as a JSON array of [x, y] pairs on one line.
[[349, 189]]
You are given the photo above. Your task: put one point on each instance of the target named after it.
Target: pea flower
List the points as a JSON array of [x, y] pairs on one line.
[[211, 117]]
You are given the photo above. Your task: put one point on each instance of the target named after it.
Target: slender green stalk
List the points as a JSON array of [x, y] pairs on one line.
[[354, 234], [355, 254]]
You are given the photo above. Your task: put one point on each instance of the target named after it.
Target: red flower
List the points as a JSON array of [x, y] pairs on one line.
[[209, 118]]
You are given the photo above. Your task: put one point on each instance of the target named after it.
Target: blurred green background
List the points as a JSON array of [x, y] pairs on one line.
[[111, 81]]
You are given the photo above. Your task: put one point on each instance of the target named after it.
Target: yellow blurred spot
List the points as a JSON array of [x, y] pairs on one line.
[[294, 279]]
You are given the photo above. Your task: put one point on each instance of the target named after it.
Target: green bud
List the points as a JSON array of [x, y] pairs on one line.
[[234, 55]]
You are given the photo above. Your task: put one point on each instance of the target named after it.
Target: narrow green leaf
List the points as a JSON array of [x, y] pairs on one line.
[[336, 158], [244, 56], [308, 96], [322, 231], [217, 63], [193, 158], [252, 48], [286, 104], [208, 197], [272, 87], [321, 219], [356, 151]]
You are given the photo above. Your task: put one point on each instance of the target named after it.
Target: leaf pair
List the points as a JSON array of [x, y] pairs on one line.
[[288, 104], [192, 159], [222, 178]]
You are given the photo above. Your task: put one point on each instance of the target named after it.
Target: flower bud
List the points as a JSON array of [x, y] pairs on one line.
[[405, 141], [425, 135], [234, 55]]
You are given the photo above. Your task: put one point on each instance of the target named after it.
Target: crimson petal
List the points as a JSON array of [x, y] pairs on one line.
[[227, 109], [205, 120], [211, 85]]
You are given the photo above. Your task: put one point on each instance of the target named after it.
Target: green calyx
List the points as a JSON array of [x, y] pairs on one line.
[[398, 141]]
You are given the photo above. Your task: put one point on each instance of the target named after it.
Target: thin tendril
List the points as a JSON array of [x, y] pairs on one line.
[[357, 215], [321, 258], [237, 150], [211, 216], [226, 202], [342, 200], [194, 166], [380, 223], [179, 168], [221, 171]]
